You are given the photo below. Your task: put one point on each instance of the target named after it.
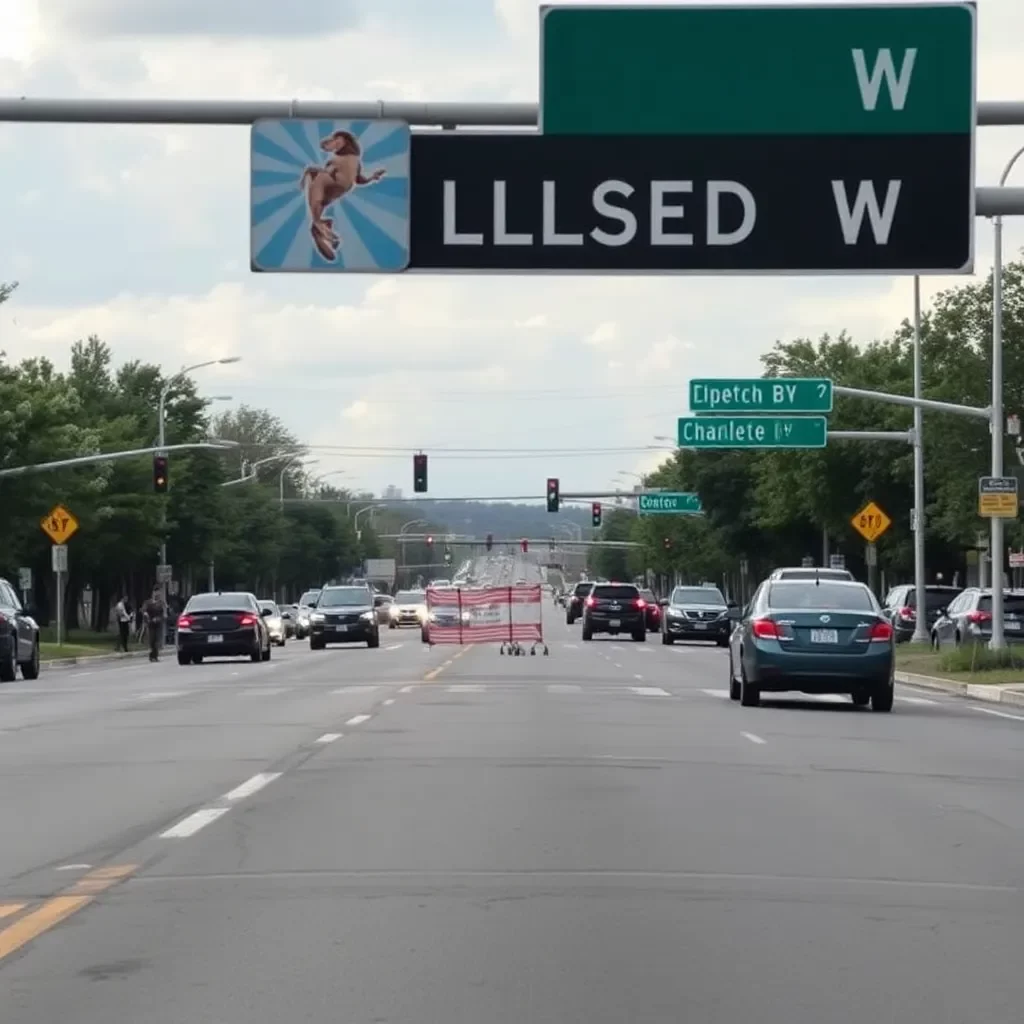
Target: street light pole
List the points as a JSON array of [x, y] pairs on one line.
[[920, 598], [996, 552], [284, 469]]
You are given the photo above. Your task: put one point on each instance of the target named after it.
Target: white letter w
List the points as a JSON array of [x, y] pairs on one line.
[[851, 219], [871, 86]]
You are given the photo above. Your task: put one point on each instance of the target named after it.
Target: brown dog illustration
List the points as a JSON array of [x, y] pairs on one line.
[[326, 185]]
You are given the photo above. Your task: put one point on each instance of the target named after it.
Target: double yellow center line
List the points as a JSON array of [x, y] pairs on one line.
[[435, 672], [58, 908]]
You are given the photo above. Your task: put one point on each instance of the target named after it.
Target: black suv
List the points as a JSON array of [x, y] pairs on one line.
[[19, 637], [574, 603], [615, 608], [343, 615], [696, 613]]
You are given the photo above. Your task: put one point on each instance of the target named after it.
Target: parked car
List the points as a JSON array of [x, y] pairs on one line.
[[19, 637], [968, 619], [900, 607]]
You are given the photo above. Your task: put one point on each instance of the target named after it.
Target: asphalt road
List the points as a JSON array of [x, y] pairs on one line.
[[449, 836]]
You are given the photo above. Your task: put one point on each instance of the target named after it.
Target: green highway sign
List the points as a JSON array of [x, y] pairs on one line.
[[834, 69], [753, 431], [781, 394], [683, 503]]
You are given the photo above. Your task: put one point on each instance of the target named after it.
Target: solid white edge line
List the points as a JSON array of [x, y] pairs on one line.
[[194, 822], [389, 702], [998, 714], [753, 737], [253, 785], [329, 737], [358, 720]]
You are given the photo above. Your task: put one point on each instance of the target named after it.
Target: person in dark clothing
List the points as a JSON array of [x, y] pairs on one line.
[[156, 615]]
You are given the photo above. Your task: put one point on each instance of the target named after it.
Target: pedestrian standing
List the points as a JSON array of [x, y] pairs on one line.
[[155, 612], [123, 614]]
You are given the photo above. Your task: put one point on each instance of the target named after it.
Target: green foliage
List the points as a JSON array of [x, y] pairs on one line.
[[979, 658]]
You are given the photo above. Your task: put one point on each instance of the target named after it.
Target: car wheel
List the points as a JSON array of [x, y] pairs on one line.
[[881, 698], [373, 641], [257, 655], [588, 633], [197, 659], [316, 645], [30, 668], [734, 686], [265, 656], [860, 698], [723, 642], [8, 665], [391, 625], [750, 695], [640, 637], [184, 659]]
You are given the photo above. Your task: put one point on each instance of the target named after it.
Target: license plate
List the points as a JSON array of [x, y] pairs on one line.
[[215, 638], [1012, 624], [824, 636], [615, 623], [700, 625], [341, 628]]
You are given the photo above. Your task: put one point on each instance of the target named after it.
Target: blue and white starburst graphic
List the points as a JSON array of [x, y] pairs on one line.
[[330, 196]]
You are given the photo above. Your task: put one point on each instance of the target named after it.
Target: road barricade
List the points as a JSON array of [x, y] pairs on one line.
[[509, 616]]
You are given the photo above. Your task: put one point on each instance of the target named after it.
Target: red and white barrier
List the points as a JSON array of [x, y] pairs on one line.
[[487, 615]]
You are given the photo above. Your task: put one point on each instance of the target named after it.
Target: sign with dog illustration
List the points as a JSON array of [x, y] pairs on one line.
[[329, 196]]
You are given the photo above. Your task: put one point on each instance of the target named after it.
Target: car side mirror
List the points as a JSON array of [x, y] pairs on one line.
[[734, 613], [266, 612]]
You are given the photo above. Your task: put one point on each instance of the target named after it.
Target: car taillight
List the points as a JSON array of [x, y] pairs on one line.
[[977, 617], [641, 603], [247, 620], [590, 602], [184, 622], [765, 629], [907, 614], [881, 631]]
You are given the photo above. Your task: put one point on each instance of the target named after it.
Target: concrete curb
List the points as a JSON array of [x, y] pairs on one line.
[[91, 659], [991, 694]]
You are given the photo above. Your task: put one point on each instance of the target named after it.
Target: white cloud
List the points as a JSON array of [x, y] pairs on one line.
[[140, 234]]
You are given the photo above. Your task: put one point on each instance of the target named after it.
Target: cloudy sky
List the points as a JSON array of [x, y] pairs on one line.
[[140, 235]]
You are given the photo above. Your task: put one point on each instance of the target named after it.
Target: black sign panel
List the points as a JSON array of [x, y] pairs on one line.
[[711, 204]]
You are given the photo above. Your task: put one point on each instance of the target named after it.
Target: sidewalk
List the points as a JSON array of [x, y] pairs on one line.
[[94, 659], [991, 693]]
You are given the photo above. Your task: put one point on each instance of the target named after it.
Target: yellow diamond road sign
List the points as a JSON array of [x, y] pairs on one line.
[[59, 524], [871, 522]]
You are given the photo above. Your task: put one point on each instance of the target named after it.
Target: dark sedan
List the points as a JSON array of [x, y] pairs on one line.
[[574, 603], [19, 637], [223, 625], [813, 637]]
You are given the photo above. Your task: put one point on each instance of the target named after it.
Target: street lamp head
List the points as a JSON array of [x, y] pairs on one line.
[[229, 359], [219, 398]]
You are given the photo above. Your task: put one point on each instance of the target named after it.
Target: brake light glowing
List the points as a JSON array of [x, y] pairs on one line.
[[589, 602], [247, 620], [880, 632], [641, 603], [184, 622], [907, 614], [765, 629], [977, 617]]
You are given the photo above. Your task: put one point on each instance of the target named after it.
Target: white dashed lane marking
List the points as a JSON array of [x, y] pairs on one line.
[[253, 785], [650, 691], [194, 822]]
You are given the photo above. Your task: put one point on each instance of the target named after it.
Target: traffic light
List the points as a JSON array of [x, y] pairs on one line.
[[595, 513], [430, 542], [525, 545], [160, 474], [447, 556], [552, 494], [666, 543], [490, 541], [419, 473]]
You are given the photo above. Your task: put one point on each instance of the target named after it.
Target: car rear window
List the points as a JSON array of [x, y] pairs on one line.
[[582, 588], [698, 595], [933, 597], [812, 574], [1011, 603], [798, 595], [309, 597], [611, 592], [219, 602]]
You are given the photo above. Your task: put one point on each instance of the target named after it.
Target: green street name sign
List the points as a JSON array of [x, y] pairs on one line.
[[753, 431], [785, 394], [683, 503], [841, 69]]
